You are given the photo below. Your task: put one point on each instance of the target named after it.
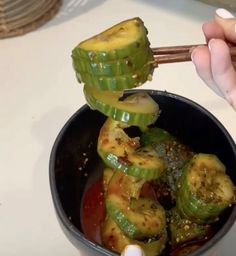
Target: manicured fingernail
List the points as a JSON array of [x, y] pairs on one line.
[[192, 54], [223, 13], [210, 43], [132, 250]]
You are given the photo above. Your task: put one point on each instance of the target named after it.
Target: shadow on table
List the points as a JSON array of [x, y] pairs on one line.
[[73, 8]]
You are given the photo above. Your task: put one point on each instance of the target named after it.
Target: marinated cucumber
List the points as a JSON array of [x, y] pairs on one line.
[[136, 217], [183, 230], [119, 41], [154, 247], [175, 154], [117, 82], [107, 175], [115, 240], [124, 185], [116, 67], [205, 190], [138, 109], [123, 153], [112, 237], [116, 59]]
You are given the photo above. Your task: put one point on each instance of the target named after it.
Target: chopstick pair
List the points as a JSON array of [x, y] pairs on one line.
[[180, 53]]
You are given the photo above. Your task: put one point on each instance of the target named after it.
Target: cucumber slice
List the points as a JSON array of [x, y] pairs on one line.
[[138, 109], [175, 154], [112, 237], [116, 67], [136, 217], [153, 247], [118, 82], [183, 230], [205, 190], [124, 185], [107, 175], [120, 41], [123, 153], [142, 218], [115, 240]]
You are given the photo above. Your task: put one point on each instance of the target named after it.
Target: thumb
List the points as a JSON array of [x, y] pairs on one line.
[[227, 22], [133, 250]]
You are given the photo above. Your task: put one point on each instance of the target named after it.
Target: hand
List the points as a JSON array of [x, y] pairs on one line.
[[131, 250], [213, 63]]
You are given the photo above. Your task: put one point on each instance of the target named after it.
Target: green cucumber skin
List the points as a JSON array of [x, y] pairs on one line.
[[122, 115], [113, 68], [174, 153], [122, 214], [118, 82], [136, 161], [154, 136], [113, 161], [119, 53], [115, 240], [193, 208], [182, 230], [112, 237], [123, 223]]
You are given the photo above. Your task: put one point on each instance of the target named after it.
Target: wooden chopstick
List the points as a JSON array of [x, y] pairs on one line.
[[181, 53], [174, 49]]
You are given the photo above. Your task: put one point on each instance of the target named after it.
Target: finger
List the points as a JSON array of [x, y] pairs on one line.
[[201, 59], [212, 30], [223, 71], [228, 23]]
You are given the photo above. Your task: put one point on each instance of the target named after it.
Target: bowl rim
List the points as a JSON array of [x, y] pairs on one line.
[[70, 227]]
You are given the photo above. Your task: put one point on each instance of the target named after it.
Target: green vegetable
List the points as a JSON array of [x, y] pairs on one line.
[[123, 153], [118, 82], [117, 42], [174, 153], [116, 59], [184, 230], [205, 190], [107, 175], [139, 109], [137, 217], [114, 239]]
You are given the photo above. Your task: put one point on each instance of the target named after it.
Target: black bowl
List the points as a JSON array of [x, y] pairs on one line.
[[74, 162]]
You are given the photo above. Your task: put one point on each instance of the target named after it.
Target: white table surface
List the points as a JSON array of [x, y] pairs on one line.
[[39, 92]]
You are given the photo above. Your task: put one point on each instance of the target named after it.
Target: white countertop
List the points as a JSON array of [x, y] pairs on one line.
[[39, 92]]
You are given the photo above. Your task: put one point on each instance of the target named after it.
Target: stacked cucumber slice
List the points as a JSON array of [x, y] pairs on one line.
[[117, 59], [204, 189]]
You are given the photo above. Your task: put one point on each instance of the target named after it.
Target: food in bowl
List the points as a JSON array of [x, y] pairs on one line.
[[155, 190], [75, 167]]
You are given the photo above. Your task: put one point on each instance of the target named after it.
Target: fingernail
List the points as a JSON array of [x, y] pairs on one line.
[[210, 43], [223, 13], [192, 54], [194, 50], [132, 250]]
